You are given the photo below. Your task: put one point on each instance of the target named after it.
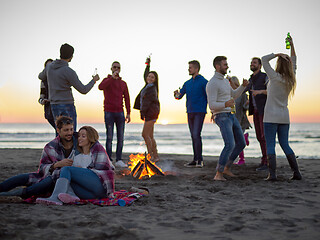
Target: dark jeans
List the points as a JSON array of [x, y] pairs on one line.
[[233, 138], [195, 122], [84, 182], [49, 116], [258, 126], [271, 129], [41, 187], [65, 110], [51, 122], [111, 118]]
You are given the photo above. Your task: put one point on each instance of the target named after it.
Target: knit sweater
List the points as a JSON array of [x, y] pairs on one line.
[[115, 90], [219, 91], [276, 109]]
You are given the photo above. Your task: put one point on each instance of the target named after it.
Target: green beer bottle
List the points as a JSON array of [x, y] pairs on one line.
[[287, 42]]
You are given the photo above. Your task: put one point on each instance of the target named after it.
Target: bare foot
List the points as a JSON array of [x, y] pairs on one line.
[[219, 177], [228, 172]]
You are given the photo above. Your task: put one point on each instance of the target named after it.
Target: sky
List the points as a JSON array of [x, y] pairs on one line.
[[174, 31]]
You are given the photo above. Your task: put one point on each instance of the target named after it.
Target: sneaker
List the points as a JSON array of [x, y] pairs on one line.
[[199, 164], [191, 164], [120, 164], [262, 168]]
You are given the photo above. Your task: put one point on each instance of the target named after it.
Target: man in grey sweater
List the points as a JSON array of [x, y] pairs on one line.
[[221, 101], [60, 79]]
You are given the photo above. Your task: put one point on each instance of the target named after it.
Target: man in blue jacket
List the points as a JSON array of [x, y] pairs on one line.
[[195, 88]]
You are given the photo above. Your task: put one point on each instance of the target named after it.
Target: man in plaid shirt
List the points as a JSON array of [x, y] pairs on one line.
[[55, 155]]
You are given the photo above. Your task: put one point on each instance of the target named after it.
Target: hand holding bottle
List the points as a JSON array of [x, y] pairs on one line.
[[95, 75], [288, 41], [148, 59], [177, 94], [229, 103], [245, 82]]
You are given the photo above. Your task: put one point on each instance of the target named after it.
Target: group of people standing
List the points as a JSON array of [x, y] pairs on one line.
[[76, 166], [227, 100]]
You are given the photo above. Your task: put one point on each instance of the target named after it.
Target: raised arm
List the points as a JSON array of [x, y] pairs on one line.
[[147, 70], [293, 55], [293, 52], [266, 65], [105, 83], [77, 84]]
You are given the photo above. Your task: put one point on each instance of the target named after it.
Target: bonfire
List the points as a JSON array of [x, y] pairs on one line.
[[142, 167]]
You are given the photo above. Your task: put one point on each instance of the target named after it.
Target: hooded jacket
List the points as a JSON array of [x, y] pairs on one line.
[[60, 80]]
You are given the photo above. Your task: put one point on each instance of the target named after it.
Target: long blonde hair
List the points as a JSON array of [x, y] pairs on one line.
[[285, 69]]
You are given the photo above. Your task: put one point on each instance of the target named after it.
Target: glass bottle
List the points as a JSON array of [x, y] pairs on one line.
[[287, 42], [233, 108]]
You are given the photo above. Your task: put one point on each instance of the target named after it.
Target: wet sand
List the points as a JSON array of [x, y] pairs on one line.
[[186, 204]]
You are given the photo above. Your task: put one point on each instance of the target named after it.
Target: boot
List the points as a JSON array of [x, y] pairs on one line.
[[272, 165], [241, 159], [246, 138], [15, 192], [69, 197], [294, 167], [61, 186]]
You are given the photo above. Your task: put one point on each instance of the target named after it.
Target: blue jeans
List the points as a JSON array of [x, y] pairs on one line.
[[84, 182], [195, 122], [233, 138], [111, 118], [65, 110], [270, 131], [44, 186]]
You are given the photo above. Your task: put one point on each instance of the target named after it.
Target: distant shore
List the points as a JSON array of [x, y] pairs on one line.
[[185, 204]]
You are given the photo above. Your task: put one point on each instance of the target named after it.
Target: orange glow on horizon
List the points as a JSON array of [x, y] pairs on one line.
[[36, 116], [28, 110]]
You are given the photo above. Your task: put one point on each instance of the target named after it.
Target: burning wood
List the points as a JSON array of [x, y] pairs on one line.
[[141, 166]]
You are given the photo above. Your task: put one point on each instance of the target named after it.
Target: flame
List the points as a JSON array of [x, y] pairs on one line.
[[140, 158]]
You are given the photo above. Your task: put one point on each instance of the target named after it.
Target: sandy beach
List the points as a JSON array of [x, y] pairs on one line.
[[185, 204]]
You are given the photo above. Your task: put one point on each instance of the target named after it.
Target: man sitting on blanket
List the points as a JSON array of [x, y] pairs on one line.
[[55, 155], [90, 177]]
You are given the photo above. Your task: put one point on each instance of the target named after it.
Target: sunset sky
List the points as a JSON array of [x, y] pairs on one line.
[[174, 31]]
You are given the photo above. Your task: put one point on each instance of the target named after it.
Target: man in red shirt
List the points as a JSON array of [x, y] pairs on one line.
[[114, 90]]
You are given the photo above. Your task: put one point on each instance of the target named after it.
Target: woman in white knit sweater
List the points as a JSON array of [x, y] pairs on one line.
[[282, 83]]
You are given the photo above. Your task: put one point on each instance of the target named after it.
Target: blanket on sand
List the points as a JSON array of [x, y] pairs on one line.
[[121, 198]]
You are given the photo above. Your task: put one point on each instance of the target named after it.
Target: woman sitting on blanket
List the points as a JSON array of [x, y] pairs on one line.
[[90, 177]]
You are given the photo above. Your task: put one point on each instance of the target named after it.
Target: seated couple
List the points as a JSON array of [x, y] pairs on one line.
[[77, 167]]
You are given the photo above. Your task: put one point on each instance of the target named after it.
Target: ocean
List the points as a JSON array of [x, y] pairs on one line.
[[172, 138]]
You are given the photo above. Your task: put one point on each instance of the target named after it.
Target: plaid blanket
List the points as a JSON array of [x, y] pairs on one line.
[[120, 197]]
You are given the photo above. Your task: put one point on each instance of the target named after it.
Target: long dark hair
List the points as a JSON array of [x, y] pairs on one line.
[[156, 82]]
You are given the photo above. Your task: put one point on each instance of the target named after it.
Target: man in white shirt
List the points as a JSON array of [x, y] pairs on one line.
[[221, 101]]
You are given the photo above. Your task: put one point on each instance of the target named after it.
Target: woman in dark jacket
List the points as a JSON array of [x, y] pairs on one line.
[[148, 103], [44, 99]]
